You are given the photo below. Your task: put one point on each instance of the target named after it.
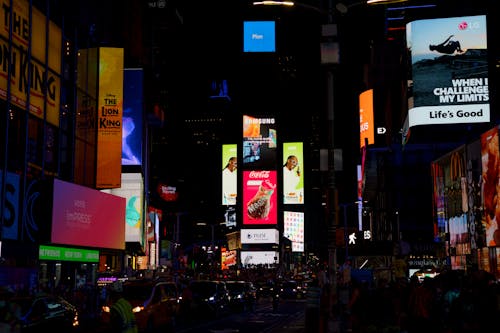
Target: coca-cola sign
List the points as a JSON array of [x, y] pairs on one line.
[[259, 197]]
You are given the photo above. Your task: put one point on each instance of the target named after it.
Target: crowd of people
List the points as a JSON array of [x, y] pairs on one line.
[[448, 303]]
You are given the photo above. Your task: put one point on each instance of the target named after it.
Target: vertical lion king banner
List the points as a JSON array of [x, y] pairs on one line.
[[109, 118]]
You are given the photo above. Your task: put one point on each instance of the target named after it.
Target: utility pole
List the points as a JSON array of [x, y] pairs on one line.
[[329, 34]]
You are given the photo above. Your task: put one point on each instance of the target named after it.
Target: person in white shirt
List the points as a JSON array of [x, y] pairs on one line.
[[291, 178], [229, 182]]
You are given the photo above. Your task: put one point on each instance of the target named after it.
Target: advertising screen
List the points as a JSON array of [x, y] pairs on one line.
[[260, 236], [132, 117], [132, 190], [259, 36], [449, 71], [109, 122], [82, 216], [490, 155], [259, 258], [259, 143], [259, 197], [293, 176], [293, 229], [229, 174], [366, 124]]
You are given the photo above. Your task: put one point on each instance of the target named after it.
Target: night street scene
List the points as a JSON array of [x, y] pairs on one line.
[[238, 166]]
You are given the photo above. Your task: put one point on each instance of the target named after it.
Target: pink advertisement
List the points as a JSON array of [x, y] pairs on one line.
[[259, 197], [86, 217]]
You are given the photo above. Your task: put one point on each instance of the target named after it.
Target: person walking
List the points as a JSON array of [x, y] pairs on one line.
[[122, 317]]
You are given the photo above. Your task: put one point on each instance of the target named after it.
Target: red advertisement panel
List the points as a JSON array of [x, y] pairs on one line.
[[259, 197]]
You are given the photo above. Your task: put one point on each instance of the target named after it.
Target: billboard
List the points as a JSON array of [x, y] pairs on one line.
[[259, 143], [293, 229], [259, 36], [449, 71], [109, 118], [366, 123], [259, 258], [259, 197], [293, 176], [132, 116], [10, 222], [132, 189], [260, 236], [82, 216], [490, 155], [229, 174], [31, 31]]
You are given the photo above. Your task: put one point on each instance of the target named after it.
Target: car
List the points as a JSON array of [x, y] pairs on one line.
[[242, 295], [265, 289], [210, 297], [154, 303], [40, 313], [291, 289]]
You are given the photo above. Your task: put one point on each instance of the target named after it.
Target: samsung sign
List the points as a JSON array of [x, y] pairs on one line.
[[259, 236]]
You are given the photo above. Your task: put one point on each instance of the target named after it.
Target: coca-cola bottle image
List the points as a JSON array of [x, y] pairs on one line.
[[259, 206]]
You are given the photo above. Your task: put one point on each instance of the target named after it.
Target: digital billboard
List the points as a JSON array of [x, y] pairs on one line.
[[366, 123], [229, 174], [259, 143], [132, 116], [258, 258], [293, 175], [259, 36], [82, 216], [132, 189], [260, 236], [109, 118], [293, 229], [259, 197], [31, 31], [449, 71]]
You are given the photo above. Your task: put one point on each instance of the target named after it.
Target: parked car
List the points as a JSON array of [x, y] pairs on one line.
[[154, 303], [242, 295], [40, 313], [209, 297]]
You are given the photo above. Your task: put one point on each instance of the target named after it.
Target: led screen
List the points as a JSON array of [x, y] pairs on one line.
[[132, 117], [449, 71], [293, 175], [259, 197], [259, 143], [293, 229], [82, 216], [259, 36], [229, 174]]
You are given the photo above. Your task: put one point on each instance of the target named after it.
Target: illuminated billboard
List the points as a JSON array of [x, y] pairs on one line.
[[293, 175], [259, 36], [293, 229], [132, 117], [229, 174], [132, 190], [259, 197], [259, 143], [109, 118], [366, 123], [83, 216], [260, 236], [31, 31], [258, 258], [449, 71]]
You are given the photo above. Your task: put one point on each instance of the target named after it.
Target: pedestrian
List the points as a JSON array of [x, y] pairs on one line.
[[122, 317], [313, 301]]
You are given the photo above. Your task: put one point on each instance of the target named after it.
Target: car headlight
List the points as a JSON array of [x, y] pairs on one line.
[[137, 309]]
